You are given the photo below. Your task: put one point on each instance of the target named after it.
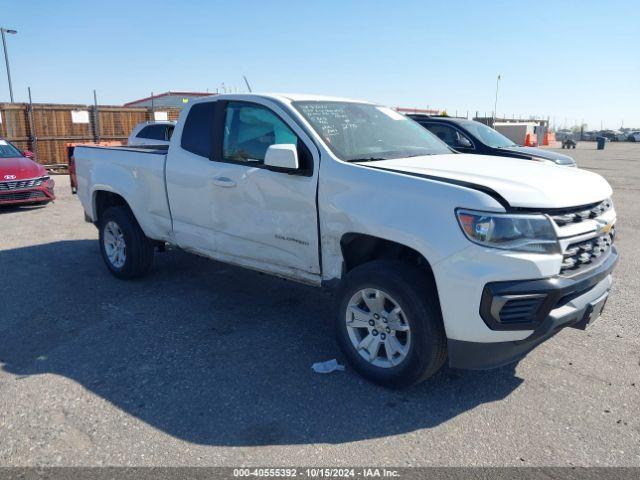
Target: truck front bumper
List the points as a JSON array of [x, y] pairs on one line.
[[564, 301]]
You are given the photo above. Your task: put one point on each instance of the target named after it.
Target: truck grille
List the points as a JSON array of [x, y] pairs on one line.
[[33, 195], [21, 184], [574, 215], [582, 254]]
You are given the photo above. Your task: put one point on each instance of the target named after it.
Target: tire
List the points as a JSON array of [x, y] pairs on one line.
[[424, 344], [138, 250]]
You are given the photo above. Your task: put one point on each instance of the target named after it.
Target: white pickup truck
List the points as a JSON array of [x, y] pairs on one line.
[[432, 254]]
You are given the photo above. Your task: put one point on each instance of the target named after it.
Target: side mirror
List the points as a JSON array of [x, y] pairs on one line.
[[282, 157], [464, 142], [28, 154]]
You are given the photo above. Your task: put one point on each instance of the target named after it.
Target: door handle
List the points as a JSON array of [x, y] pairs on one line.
[[223, 182]]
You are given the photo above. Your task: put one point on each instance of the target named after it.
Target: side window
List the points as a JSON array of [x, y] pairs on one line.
[[450, 135], [249, 130], [144, 133], [153, 132], [198, 129]]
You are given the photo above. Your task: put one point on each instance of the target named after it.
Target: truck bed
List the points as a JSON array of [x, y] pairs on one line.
[[135, 173]]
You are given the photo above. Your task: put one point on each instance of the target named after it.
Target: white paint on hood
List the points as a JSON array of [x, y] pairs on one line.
[[522, 183]]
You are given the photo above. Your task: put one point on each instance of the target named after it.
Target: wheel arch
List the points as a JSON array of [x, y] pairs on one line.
[[103, 199], [359, 248]]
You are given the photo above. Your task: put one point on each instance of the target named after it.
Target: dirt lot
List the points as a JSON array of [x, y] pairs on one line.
[[205, 364]]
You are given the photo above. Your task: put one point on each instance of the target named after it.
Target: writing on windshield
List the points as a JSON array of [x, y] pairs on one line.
[[359, 131]]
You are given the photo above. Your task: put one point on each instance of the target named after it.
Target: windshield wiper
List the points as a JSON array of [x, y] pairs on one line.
[[368, 159]]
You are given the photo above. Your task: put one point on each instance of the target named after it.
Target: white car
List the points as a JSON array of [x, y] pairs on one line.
[[634, 137], [152, 133], [432, 254]]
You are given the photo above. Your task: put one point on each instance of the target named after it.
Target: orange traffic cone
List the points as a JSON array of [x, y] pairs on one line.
[[528, 141]]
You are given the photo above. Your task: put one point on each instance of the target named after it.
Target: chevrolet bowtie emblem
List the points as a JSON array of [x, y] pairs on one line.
[[606, 228]]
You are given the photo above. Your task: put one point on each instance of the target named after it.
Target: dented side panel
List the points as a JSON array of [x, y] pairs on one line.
[[354, 198]]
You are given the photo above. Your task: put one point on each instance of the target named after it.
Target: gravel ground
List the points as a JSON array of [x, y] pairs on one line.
[[206, 364]]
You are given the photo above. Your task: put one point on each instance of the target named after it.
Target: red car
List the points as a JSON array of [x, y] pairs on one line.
[[21, 179]]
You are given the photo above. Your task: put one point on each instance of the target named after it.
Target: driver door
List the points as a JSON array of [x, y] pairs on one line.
[[264, 218]]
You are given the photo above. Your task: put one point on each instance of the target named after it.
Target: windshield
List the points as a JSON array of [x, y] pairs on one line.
[[359, 132], [488, 135], [8, 151]]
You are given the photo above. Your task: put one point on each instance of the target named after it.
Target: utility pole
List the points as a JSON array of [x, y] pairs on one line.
[[495, 104], [247, 83], [6, 56]]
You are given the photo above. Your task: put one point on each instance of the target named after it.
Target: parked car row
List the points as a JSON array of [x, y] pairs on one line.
[[592, 135], [433, 254], [634, 137], [610, 135]]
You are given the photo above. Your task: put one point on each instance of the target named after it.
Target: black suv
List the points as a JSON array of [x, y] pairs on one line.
[[468, 136]]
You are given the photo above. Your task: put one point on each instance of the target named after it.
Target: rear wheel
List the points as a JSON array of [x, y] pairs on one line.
[[389, 324], [125, 249]]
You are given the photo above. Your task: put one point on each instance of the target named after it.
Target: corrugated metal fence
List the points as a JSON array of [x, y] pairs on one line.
[[46, 129]]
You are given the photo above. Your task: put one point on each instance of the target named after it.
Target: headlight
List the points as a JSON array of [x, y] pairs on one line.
[[523, 233]]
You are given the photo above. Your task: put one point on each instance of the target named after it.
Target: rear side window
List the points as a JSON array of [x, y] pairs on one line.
[[197, 133], [154, 132]]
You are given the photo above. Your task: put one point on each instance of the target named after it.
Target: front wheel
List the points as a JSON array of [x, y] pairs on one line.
[[125, 249], [389, 324]]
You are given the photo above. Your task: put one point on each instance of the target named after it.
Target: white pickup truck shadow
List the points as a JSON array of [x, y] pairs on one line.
[[208, 353]]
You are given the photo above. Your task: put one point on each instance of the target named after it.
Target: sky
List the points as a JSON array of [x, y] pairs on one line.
[[571, 61]]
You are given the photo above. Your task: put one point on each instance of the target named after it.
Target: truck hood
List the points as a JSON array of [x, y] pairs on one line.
[[521, 184], [555, 157]]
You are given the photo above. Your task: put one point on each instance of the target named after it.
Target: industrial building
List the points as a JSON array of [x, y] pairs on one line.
[[167, 99]]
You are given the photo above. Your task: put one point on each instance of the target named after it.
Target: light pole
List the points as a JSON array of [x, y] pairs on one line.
[[6, 56], [495, 104]]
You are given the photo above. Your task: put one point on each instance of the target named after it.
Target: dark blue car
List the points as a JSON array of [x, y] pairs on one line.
[[468, 136]]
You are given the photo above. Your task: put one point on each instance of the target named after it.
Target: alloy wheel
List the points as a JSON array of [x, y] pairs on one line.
[[378, 328]]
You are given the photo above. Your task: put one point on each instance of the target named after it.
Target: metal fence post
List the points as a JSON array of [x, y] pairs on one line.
[[153, 108], [33, 136], [96, 119]]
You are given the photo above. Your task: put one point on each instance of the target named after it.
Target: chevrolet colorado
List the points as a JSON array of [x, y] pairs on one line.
[[432, 254]]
